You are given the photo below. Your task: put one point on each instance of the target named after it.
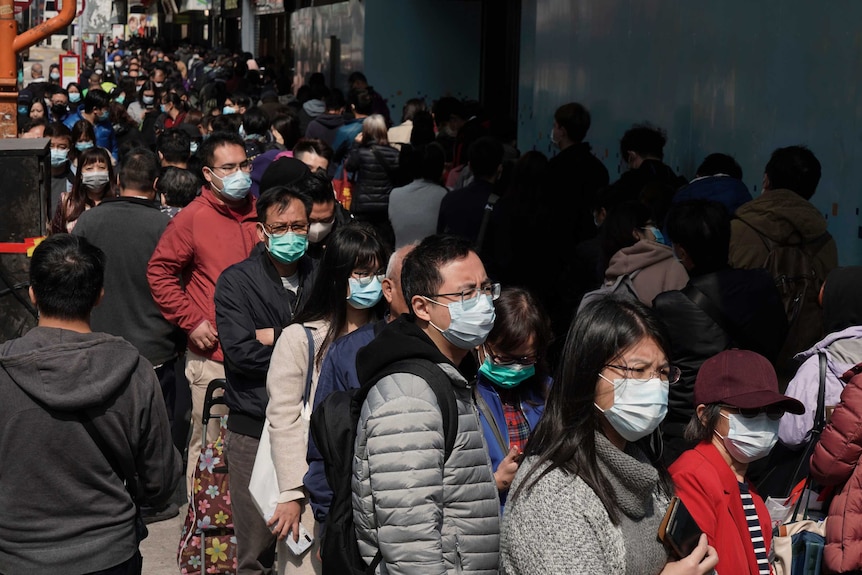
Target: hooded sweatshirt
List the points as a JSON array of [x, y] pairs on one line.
[[657, 269], [842, 318], [324, 127], [400, 505], [64, 508]]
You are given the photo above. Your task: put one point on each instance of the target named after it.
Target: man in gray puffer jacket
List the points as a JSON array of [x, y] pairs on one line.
[[426, 515]]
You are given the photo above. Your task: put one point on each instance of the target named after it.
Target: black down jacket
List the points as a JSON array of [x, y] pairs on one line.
[[374, 177]]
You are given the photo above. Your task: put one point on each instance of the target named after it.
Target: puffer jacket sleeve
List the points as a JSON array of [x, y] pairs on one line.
[[837, 453], [404, 448]]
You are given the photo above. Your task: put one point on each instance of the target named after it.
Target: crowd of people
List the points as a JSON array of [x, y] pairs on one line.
[[607, 346]]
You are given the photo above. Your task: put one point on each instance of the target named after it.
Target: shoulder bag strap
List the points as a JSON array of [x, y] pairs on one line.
[[307, 393], [486, 218], [485, 409], [702, 301], [819, 424]]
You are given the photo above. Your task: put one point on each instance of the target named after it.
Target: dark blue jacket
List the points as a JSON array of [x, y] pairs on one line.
[[532, 404], [338, 373], [722, 189]]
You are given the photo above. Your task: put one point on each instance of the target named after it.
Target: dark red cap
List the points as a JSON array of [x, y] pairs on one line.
[[741, 378]]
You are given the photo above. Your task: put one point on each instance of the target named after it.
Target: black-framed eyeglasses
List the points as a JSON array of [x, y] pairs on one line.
[[773, 412], [492, 290], [669, 374], [365, 278], [278, 230], [532, 359], [245, 166]]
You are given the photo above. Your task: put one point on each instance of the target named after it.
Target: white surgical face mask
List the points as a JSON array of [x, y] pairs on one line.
[[750, 438], [639, 407], [318, 231], [470, 321]]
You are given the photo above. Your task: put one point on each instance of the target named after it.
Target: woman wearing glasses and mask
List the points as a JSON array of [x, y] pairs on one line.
[[513, 381], [345, 297], [591, 492], [736, 422]]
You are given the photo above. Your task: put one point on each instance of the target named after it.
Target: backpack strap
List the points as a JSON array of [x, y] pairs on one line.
[[439, 383], [307, 393], [486, 219], [701, 300], [485, 410]]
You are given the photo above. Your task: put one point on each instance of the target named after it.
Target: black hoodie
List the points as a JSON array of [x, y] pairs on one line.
[[64, 510]]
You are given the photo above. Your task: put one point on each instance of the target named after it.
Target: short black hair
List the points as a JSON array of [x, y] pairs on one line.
[[794, 168], [356, 77], [486, 155], [420, 273], [715, 164], [361, 101], [432, 162], [96, 99], [288, 126], [179, 186], [446, 107], [335, 100], [215, 141], [574, 118], [644, 140], [318, 187], [227, 123], [58, 130], [314, 146], [281, 196], [255, 121], [702, 227], [67, 274], [139, 170], [175, 145]]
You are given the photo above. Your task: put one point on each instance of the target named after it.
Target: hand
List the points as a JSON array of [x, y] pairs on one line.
[[265, 336], [285, 520], [701, 561], [506, 470], [358, 138], [204, 336]]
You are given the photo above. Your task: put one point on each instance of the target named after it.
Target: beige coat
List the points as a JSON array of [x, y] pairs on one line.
[[285, 384]]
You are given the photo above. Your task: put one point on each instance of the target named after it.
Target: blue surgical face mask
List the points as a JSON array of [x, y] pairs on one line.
[[164, 109], [750, 438], [506, 376], [659, 237], [74, 97], [104, 116], [639, 407], [242, 133], [58, 157], [364, 296], [193, 147], [228, 110], [120, 99], [470, 321], [287, 248], [235, 185], [82, 146]]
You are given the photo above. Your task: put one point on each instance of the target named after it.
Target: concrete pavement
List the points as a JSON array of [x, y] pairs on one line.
[[160, 547]]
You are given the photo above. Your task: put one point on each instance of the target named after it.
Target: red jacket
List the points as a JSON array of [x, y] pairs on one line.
[[835, 462], [709, 489], [200, 242]]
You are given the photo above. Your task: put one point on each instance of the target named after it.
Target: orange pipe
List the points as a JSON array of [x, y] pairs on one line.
[[45, 29], [8, 63]]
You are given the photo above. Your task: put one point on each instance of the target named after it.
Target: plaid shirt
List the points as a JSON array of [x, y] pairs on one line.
[[516, 421]]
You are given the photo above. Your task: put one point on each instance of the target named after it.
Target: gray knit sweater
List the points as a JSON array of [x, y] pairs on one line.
[[560, 525]]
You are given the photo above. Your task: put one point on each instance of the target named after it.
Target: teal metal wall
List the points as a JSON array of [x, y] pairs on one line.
[[731, 76]]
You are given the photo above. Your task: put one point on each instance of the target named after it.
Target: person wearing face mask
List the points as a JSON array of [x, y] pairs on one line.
[[513, 381], [592, 491], [736, 423], [345, 297], [145, 102], [400, 506], [255, 299], [96, 111], [186, 250], [93, 183], [62, 176]]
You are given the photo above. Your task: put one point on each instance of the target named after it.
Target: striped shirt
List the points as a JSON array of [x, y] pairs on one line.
[[754, 530]]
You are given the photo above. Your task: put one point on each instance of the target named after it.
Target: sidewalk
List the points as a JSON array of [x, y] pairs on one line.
[[160, 548]]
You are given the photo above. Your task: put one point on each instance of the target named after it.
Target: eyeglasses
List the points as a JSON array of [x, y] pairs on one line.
[[532, 359], [669, 374], [245, 166], [278, 230], [365, 278], [492, 290], [773, 412]]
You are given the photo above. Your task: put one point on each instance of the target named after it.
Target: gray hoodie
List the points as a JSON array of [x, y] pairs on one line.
[[64, 510]]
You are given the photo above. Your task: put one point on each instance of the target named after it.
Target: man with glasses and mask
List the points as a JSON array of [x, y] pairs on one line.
[[216, 230], [254, 300], [408, 508]]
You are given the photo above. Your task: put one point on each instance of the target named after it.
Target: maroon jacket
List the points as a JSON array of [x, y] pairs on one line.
[[835, 462], [201, 241]]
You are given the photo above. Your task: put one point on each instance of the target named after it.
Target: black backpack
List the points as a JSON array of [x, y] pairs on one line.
[[334, 424]]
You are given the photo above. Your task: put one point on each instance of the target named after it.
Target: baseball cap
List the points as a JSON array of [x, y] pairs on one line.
[[741, 378]]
